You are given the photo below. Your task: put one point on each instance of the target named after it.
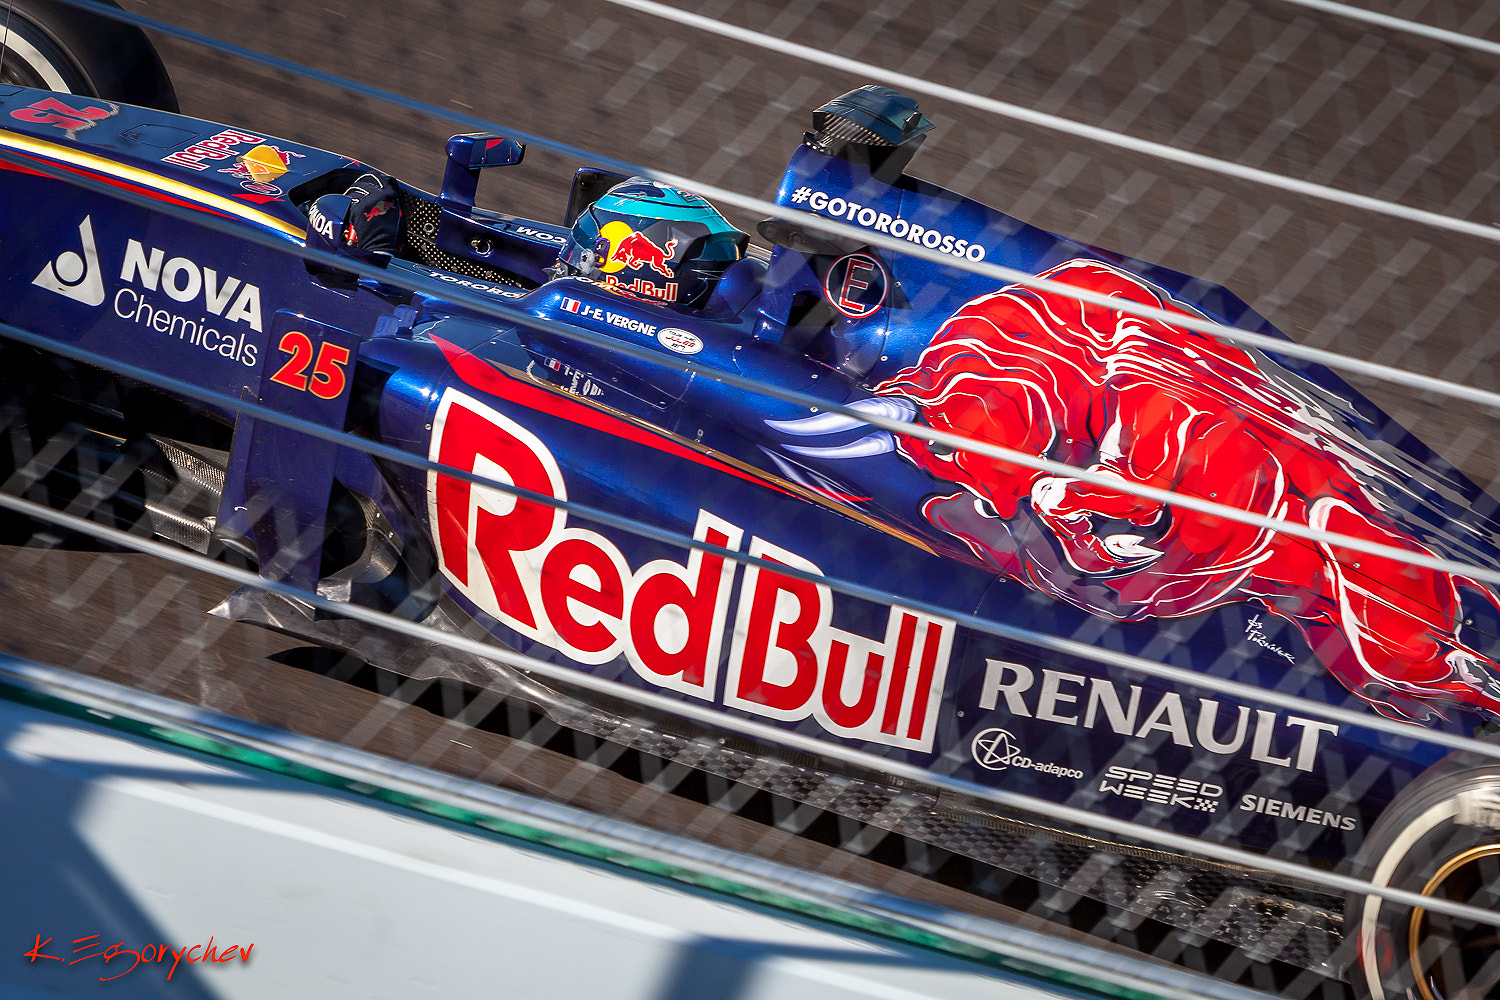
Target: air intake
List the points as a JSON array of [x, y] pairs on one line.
[[867, 125]]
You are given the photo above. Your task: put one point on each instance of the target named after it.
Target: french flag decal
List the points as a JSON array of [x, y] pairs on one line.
[[570, 305]]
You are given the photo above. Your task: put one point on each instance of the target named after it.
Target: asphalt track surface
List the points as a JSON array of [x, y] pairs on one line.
[[125, 617], [1269, 84]]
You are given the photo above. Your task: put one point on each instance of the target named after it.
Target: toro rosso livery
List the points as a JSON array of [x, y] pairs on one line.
[[1139, 402]]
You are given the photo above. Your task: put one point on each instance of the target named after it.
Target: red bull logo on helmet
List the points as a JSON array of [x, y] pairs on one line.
[[667, 291], [634, 251]]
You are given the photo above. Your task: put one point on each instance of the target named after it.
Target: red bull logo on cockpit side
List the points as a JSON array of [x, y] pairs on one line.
[[773, 653]]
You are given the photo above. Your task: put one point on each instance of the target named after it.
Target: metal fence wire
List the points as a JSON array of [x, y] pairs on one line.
[[1241, 142]]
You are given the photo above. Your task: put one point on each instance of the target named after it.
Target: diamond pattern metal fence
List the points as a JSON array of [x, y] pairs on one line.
[[1249, 92]]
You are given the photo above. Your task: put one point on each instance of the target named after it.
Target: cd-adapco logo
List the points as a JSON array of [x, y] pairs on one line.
[[74, 276], [993, 749], [996, 750]]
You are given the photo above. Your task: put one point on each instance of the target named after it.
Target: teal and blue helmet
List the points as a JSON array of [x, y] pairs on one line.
[[655, 241]]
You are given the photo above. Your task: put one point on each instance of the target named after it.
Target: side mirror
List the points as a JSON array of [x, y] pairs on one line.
[[782, 233], [469, 154]]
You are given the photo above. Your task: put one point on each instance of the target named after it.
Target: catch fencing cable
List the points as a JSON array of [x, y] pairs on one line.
[[1455, 38], [1059, 644], [751, 204], [1178, 675]]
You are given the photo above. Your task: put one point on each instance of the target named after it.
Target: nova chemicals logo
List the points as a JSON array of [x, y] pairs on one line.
[[74, 276]]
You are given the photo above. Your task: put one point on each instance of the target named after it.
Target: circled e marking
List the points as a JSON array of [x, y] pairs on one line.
[[857, 285]]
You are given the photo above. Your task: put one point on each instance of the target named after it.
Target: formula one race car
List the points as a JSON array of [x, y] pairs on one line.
[[603, 380]]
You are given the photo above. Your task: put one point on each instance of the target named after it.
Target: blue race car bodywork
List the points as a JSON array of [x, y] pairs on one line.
[[614, 422]]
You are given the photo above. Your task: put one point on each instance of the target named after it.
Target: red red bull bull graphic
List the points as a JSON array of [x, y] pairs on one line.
[[573, 590], [1145, 403], [259, 167], [636, 251], [629, 259], [264, 163]]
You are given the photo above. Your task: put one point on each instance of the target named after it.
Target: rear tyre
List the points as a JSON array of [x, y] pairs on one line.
[[1441, 839], [52, 46]]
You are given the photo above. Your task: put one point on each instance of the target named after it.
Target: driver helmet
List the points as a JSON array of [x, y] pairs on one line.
[[655, 241]]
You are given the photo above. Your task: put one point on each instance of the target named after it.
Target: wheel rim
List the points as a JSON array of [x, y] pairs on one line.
[[32, 59], [25, 65], [1448, 955]]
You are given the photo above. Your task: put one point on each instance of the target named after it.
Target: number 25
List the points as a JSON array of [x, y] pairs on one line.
[[328, 379], [42, 113]]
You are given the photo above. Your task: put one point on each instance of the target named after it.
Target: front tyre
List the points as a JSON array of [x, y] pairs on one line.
[[1440, 839], [52, 46]]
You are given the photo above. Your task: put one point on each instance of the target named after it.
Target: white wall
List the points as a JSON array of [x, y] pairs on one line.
[[132, 841]]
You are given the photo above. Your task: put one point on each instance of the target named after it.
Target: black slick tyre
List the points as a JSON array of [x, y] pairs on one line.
[[1441, 839], [53, 46]]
